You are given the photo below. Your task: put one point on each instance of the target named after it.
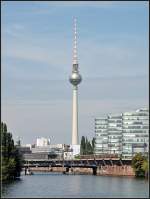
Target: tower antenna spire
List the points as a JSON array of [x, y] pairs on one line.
[[75, 58]]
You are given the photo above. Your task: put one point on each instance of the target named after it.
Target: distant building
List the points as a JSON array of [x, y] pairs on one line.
[[24, 149], [71, 151], [29, 145], [123, 134], [52, 151], [42, 142], [35, 156], [68, 155], [68, 152], [75, 149], [48, 148]]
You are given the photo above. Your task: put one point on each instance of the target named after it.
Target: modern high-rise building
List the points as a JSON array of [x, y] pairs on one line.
[[75, 79], [124, 134], [135, 131]]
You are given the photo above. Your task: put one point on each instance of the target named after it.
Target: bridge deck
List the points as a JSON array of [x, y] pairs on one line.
[[84, 163]]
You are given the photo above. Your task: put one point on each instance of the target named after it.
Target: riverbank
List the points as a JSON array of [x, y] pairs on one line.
[[107, 170]]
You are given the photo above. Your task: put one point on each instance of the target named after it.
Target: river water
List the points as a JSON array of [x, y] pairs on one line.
[[53, 185]]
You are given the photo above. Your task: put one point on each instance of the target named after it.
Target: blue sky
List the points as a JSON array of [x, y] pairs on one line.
[[37, 43]]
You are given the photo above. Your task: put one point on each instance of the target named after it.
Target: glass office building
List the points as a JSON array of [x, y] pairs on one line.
[[125, 134], [135, 131]]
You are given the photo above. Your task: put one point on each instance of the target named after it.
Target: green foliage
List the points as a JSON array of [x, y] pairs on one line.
[[140, 165], [86, 146], [93, 143], [77, 157], [82, 146], [11, 158], [145, 167]]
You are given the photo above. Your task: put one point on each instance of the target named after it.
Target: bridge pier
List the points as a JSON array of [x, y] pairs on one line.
[[67, 169], [25, 171], [94, 170]]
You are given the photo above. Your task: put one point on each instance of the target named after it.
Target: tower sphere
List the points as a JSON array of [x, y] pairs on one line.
[[75, 78]]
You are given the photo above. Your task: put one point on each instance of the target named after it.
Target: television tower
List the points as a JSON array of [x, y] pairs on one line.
[[75, 79]]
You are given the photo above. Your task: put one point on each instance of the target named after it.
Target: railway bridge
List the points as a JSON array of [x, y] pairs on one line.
[[93, 165]]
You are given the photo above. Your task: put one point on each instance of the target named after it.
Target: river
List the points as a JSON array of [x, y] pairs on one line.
[[53, 185]]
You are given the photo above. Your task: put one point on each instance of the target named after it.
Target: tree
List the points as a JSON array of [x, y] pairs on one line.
[[82, 147], [145, 167], [87, 147], [139, 165], [18, 160], [93, 144], [11, 158]]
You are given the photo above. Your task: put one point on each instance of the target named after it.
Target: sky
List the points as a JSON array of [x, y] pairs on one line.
[[37, 48]]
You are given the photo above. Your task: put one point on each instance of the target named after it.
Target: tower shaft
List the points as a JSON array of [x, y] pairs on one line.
[[75, 116]]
